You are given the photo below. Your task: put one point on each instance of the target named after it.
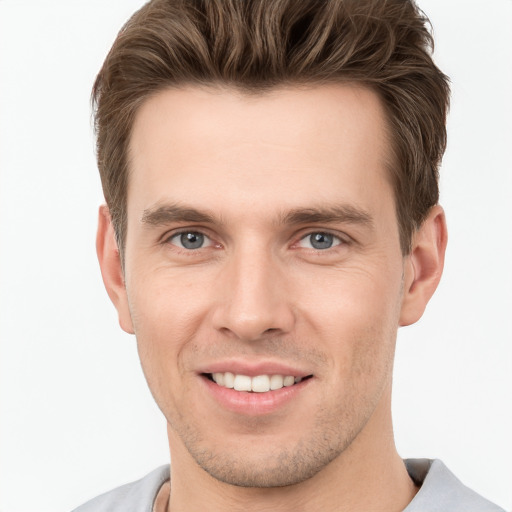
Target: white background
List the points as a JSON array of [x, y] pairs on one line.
[[76, 416]]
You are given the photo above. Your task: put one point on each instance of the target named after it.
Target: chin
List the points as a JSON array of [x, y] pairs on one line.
[[264, 462], [280, 470]]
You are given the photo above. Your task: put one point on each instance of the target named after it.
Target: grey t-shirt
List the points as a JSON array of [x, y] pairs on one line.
[[441, 491]]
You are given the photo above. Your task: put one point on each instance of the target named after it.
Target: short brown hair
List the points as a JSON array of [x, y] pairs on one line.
[[255, 45]]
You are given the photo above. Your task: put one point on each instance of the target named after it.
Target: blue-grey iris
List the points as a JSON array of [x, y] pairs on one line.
[[192, 240], [321, 240]]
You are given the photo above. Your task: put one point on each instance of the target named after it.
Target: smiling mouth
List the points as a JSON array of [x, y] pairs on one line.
[[257, 384]]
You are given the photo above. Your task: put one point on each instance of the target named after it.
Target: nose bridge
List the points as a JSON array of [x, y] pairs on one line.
[[253, 302]]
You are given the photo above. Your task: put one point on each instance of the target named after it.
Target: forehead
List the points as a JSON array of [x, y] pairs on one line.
[[287, 147]]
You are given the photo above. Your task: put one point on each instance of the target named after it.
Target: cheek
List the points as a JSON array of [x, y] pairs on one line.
[[166, 316], [356, 312], [166, 303]]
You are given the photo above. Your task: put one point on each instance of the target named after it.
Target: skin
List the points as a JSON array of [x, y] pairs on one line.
[[252, 168]]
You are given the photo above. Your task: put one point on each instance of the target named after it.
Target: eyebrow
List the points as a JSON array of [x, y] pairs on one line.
[[339, 213], [167, 214]]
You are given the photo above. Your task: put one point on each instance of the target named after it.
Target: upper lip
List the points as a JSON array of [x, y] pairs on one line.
[[253, 368]]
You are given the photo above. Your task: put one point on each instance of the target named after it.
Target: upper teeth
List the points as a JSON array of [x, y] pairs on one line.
[[259, 384]]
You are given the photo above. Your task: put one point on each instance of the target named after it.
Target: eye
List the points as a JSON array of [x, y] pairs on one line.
[[190, 240], [319, 241]]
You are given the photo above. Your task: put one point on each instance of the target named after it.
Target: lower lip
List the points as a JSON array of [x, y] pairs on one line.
[[254, 404]]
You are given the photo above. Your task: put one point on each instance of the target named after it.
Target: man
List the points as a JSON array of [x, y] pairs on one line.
[[270, 174]]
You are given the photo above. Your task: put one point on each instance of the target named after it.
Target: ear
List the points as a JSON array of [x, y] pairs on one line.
[[111, 270], [424, 266]]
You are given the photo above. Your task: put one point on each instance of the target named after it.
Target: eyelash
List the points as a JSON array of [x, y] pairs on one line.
[[166, 240], [339, 239], [168, 237]]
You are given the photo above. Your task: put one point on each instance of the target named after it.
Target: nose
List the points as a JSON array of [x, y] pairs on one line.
[[253, 299]]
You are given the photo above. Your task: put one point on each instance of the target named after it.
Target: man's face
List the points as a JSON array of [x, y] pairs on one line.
[[262, 242]]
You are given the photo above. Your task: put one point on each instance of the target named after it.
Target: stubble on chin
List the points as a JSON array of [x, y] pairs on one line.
[[273, 465]]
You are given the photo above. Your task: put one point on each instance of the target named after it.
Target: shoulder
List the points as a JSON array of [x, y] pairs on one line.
[[133, 497], [442, 491]]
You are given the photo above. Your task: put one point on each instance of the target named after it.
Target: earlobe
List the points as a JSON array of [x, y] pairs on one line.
[[424, 266], [111, 269]]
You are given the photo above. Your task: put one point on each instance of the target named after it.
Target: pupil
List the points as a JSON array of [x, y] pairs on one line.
[[192, 240], [321, 240]]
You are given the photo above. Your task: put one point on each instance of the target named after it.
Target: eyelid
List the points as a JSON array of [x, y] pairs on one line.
[[169, 235], [342, 238]]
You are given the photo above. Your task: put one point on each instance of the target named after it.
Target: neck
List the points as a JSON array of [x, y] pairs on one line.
[[368, 475]]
